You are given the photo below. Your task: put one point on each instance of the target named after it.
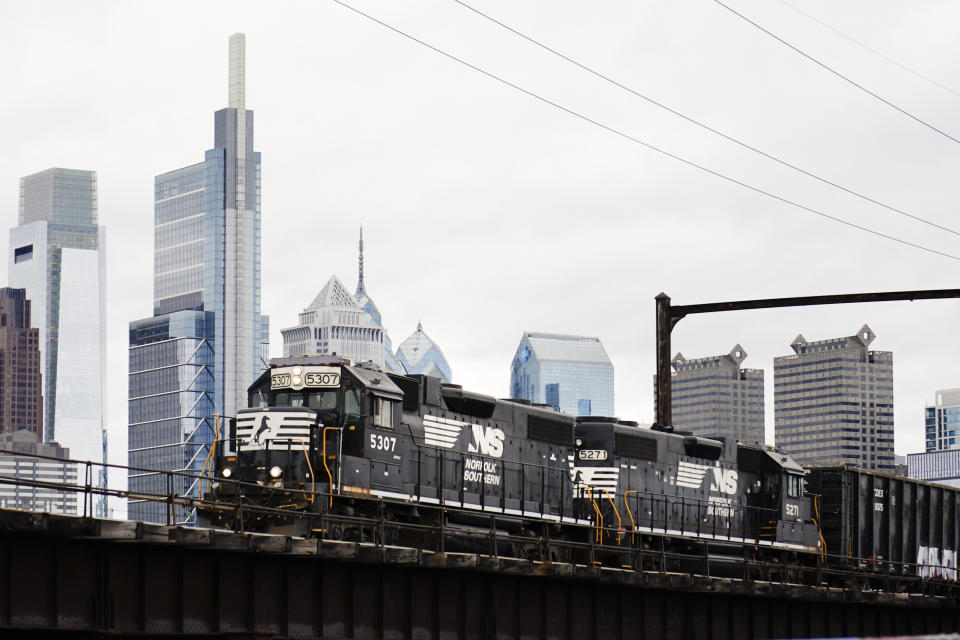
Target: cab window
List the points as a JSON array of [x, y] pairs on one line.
[[322, 400], [794, 486], [382, 412], [285, 399], [351, 401]]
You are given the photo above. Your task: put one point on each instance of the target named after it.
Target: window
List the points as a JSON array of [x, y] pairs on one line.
[[794, 487], [382, 412], [289, 400], [322, 400], [351, 401]]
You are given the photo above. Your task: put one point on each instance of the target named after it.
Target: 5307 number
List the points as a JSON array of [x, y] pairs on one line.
[[382, 443]]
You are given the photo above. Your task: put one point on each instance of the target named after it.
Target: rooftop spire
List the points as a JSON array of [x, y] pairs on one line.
[[360, 289], [238, 71]]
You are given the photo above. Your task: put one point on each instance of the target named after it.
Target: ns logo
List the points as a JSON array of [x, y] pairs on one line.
[[724, 480], [487, 441]]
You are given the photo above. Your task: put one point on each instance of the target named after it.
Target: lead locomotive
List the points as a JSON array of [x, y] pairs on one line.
[[323, 434]]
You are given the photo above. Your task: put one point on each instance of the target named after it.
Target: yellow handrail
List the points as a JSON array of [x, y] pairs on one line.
[[616, 513], [633, 525], [306, 456], [329, 475], [210, 454], [596, 510]]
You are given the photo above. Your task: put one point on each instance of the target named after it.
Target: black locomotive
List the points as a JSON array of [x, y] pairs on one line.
[[318, 425], [324, 436]]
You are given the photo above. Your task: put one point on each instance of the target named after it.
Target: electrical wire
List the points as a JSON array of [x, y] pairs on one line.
[[837, 73], [635, 140], [706, 126], [871, 49]]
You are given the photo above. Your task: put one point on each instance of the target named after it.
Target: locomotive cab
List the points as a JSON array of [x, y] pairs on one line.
[[307, 416], [779, 508]]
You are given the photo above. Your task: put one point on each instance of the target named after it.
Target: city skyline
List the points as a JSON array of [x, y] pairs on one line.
[[453, 227]]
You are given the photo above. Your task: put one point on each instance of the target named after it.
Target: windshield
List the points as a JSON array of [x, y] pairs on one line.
[[323, 400]]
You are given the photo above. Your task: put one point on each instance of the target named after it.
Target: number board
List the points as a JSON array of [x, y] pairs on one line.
[[297, 378]]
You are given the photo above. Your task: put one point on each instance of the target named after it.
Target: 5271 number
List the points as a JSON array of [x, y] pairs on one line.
[[382, 443]]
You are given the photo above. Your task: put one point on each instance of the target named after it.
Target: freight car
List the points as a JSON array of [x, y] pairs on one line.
[[882, 523], [367, 441]]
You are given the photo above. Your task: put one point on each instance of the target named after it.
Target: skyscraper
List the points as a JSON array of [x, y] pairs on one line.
[[833, 402], [205, 344], [942, 421], [334, 322], [390, 362], [571, 373], [419, 354], [57, 253], [713, 396], [21, 398]]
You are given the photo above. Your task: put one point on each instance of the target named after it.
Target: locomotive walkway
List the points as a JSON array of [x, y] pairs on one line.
[[90, 577]]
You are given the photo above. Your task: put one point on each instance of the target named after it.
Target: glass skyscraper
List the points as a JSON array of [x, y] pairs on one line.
[[206, 342], [419, 354], [57, 253], [942, 421], [571, 373]]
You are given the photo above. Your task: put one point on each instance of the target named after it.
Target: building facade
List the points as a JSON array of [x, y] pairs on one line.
[[833, 402], [419, 354], [21, 390], [34, 490], [335, 323], [57, 253], [571, 373], [714, 397], [942, 421], [207, 341], [942, 467]]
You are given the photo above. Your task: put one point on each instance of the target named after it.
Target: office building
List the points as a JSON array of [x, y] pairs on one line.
[[21, 395], [571, 373], [942, 421], [419, 354], [57, 253], [714, 397], [942, 467], [390, 362], [335, 323], [206, 342], [35, 489], [833, 402]]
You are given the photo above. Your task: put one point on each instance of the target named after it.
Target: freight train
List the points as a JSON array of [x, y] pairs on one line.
[[324, 436]]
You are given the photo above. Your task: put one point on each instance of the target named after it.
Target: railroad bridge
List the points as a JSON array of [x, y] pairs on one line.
[[91, 577]]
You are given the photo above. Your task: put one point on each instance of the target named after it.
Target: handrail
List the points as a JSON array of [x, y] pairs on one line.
[[596, 510], [325, 466], [313, 484], [633, 525], [617, 513]]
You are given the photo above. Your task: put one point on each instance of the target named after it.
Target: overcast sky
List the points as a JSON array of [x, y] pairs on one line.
[[487, 212]]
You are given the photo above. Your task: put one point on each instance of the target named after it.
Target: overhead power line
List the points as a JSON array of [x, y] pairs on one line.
[[627, 136], [705, 126], [871, 49], [837, 73]]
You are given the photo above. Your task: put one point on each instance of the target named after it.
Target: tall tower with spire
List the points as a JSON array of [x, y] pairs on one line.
[[203, 346]]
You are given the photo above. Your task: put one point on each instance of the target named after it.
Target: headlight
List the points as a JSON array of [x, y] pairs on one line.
[[275, 471], [227, 472]]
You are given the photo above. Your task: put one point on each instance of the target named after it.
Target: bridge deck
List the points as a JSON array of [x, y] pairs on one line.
[[92, 576]]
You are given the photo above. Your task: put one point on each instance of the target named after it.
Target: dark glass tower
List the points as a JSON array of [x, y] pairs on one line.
[[194, 359]]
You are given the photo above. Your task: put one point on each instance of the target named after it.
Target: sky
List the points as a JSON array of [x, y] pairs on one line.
[[487, 212]]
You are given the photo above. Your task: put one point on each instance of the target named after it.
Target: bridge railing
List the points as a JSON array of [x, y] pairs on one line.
[[648, 542]]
